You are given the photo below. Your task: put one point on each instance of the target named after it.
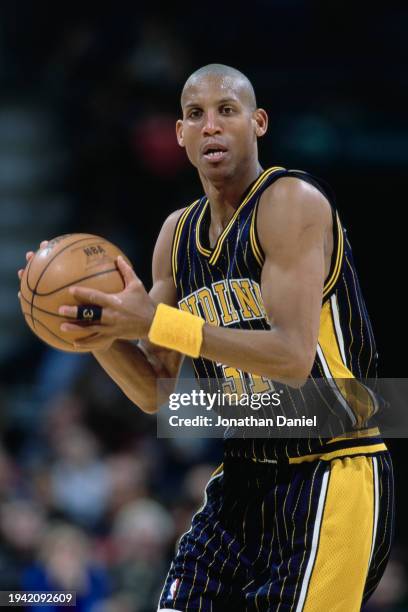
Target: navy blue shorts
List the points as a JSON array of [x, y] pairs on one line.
[[311, 536]]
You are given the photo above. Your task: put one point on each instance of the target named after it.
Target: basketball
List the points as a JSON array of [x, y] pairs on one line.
[[69, 260]]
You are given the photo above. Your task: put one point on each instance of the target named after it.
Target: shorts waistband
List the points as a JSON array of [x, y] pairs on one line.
[[326, 454]]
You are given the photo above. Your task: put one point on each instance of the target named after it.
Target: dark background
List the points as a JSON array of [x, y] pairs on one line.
[[89, 98]]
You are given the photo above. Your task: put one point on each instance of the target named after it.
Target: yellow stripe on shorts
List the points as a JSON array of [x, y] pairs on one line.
[[343, 542]]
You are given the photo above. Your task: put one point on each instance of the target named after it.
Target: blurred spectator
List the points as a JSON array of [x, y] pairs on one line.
[[80, 481], [142, 532], [8, 475], [65, 563], [195, 482], [63, 411], [128, 476], [22, 524]]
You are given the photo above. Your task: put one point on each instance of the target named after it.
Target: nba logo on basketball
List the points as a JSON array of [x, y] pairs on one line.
[[173, 589]]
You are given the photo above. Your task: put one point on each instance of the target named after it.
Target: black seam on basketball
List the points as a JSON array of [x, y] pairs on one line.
[[52, 259], [54, 314], [32, 294], [34, 291], [78, 280], [28, 270], [51, 332]]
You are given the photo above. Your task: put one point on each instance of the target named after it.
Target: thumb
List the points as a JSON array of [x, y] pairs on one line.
[[126, 271]]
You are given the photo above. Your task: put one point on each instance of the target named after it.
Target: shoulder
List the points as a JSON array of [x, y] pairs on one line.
[[168, 228], [290, 204], [171, 221], [164, 242], [170, 224], [293, 196]]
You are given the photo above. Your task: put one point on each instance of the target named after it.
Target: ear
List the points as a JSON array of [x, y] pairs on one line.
[[261, 122], [179, 132]]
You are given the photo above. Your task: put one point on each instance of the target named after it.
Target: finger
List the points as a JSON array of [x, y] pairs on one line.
[[93, 342], [92, 296], [126, 270], [74, 328], [43, 244], [20, 273], [73, 312], [29, 255]]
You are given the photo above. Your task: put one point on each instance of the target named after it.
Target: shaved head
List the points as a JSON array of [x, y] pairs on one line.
[[230, 78], [221, 124]]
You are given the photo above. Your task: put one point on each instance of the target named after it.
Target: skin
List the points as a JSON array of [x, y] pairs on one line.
[[294, 225]]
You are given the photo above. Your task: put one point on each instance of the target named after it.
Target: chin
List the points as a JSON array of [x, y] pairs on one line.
[[217, 171]]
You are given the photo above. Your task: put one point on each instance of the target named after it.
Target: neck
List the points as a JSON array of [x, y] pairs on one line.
[[226, 194]]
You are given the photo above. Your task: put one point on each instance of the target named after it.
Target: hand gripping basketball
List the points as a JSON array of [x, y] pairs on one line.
[[125, 315], [108, 306]]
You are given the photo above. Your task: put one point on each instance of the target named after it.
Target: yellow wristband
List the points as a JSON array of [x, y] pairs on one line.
[[176, 329]]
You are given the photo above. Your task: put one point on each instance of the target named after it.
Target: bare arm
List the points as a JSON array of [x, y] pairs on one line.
[[295, 230], [136, 368], [294, 227]]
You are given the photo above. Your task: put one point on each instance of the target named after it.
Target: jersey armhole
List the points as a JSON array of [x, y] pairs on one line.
[[336, 263], [254, 241], [176, 240], [338, 236], [336, 259]]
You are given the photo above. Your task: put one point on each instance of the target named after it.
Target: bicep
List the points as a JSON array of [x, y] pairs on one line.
[[292, 293], [293, 237]]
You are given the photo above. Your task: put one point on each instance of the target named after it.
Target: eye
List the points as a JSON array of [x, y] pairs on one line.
[[194, 113], [227, 110]]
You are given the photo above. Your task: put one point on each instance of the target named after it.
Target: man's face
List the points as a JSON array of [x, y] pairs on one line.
[[220, 126]]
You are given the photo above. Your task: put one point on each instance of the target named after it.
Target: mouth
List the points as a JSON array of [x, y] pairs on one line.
[[214, 152]]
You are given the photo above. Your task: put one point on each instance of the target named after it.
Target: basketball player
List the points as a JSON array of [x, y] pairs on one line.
[[255, 281]]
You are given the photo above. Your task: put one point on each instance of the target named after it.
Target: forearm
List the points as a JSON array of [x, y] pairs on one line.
[[276, 353], [129, 367], [270, 353]]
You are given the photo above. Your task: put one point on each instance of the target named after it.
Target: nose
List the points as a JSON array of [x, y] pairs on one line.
[[211, 124]]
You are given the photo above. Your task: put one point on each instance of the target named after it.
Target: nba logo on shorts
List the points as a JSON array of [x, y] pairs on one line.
[[173, 589]]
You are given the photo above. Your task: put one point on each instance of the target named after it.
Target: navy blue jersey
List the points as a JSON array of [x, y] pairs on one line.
[[223, 285]]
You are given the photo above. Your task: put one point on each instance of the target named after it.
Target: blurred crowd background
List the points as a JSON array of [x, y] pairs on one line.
[[90, 500]]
